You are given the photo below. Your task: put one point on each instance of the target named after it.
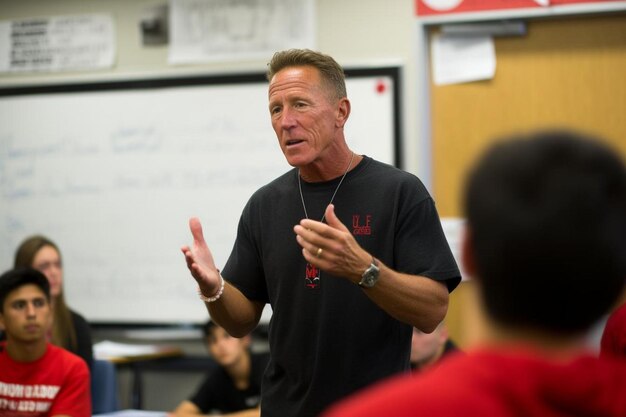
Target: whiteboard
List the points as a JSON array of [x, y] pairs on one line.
[[112, 172]]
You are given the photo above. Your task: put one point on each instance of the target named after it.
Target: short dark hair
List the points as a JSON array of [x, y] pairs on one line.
[[18, 277], [330, 71], [208, 327], [546, 212]]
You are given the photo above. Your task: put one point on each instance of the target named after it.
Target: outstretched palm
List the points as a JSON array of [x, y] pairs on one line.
[[200, 260]]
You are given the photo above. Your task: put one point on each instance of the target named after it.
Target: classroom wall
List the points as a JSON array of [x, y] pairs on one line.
[[358, 33], [567, 71], [355, 32]]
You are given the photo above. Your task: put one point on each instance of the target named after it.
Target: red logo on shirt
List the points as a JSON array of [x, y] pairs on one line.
[[361, 225]]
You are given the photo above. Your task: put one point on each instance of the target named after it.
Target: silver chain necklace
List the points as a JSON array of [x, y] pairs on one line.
[[334, 194]]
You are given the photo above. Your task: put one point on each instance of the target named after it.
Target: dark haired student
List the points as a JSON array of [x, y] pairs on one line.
[[69, 330], [546, 246], [233, 387], [37, 379]]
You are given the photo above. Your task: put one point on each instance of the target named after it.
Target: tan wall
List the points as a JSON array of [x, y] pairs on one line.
[[564, 72]]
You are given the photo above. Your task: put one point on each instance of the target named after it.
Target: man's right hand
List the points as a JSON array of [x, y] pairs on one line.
[[200, 261]]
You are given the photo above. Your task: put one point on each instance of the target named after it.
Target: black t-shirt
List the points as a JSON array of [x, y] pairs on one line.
[[219, 394], [84, 345], [331, 340]]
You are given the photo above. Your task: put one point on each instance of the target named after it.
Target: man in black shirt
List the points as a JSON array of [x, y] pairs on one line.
[[348, 252]]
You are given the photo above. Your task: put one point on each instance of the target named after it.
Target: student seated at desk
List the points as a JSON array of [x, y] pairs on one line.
[[427, 349], [69, 329], [37, 379], [233, 388]]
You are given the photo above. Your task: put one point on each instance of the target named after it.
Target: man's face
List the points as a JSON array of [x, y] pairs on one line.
[[26, 314], [304, 115]]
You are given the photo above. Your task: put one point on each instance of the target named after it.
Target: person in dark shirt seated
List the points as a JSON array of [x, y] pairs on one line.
[[427, 349], [233, 387]]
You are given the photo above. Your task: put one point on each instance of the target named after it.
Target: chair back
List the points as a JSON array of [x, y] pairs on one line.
[[104, 393]]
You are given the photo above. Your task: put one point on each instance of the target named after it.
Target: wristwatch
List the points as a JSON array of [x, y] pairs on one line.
[[370, 276]]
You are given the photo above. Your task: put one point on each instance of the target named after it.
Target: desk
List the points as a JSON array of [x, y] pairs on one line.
[[146, 372], [158, 352], [133, 356], [134, 413]]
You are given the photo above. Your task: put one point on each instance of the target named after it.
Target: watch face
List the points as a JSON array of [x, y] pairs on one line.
[[370, 276], [369, 280]]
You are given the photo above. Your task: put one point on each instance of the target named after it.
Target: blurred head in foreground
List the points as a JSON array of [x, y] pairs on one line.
[[546, 217], [546, 245]]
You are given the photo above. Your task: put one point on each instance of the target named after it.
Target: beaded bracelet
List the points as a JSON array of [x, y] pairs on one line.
[[216, 296]]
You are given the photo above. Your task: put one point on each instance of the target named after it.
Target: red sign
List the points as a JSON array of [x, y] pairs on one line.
[[442, 7], [563, 2], [437, 7]]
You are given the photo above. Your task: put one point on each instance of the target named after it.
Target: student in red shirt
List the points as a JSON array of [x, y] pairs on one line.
[[613, 342], [36, 377], [546, 246]]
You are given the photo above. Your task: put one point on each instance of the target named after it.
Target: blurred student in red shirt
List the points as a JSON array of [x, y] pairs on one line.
[[546, 245]]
